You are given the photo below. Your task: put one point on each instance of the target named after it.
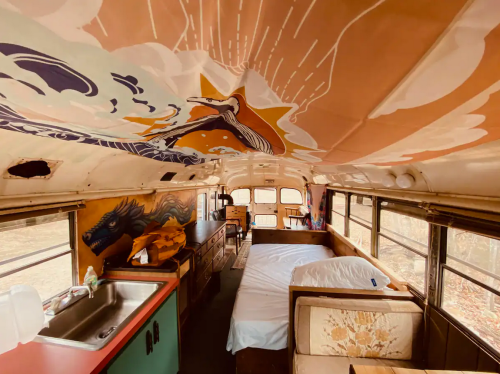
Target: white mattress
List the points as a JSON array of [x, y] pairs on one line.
[[260, 314]]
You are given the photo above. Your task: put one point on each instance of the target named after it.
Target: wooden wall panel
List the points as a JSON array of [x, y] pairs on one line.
[[461, 352], [451, 349], [273, 236], [437, 340], [486, 363]]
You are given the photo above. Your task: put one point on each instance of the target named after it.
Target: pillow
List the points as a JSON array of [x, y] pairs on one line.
[[340, 272]]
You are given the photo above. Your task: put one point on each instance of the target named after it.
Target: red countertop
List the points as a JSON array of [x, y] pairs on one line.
[[44, 358]]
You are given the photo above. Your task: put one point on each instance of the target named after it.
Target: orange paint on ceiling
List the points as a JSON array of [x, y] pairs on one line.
[[263, 121]]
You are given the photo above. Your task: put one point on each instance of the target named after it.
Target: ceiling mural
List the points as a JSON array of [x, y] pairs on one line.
[[319, 81]]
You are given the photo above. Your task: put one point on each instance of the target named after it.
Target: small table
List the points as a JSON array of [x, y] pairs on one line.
[[365, 369]]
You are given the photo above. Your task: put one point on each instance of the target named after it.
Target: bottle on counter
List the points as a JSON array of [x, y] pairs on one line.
[[91, 278], [21, 316]]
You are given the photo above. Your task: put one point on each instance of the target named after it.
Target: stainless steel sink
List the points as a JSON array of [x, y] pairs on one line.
[[91, 323]]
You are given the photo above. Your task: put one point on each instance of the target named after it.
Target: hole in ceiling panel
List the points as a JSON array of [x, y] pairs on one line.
[[32, 169], [168, 177]]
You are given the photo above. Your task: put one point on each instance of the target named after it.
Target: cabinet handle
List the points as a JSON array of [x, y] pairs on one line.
[[156, 332], [149, 343]]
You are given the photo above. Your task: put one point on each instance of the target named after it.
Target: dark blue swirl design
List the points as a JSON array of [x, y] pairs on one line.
[[59, 76], [56, 73], [12, 121]]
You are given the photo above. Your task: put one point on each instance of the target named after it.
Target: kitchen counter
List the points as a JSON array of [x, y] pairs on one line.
[[42, 358]]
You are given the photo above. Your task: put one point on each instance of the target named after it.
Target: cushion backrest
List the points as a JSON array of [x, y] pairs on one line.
[[358, 328]]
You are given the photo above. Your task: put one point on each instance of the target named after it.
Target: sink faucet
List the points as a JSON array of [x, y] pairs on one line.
[[58, 305], [86, 286]]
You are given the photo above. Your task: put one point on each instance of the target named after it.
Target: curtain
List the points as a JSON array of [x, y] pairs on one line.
[[316, 203]]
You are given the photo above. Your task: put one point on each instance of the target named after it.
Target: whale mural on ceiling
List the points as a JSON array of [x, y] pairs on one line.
[[318, 81]]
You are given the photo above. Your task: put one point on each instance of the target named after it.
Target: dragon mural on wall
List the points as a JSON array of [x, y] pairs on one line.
[[130, 218]]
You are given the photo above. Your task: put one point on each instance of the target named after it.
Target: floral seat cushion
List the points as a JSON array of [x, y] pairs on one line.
[[358, 328]]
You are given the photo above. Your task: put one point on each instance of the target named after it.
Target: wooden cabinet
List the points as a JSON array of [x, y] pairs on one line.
[[237, 212], [204, 262], [161, 329], [210, 240]]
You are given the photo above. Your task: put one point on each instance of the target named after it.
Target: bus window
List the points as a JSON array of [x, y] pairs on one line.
[[403, 247], [36, 251], [265, 195], [290, 196], [360, 221], [338, 212], [202, 207], [266, 220], [241, 196], [471, 283]]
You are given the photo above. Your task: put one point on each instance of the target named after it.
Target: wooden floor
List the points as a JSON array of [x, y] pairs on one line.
[[203, 341]]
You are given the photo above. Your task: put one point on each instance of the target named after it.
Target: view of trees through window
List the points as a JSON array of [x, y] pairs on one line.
[[338, 212], [403, 247], [36, 252], [360, 221], [473, 305]]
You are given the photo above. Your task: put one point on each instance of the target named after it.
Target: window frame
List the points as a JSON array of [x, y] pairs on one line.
[[71, 220], [288, 188], [263, 188]]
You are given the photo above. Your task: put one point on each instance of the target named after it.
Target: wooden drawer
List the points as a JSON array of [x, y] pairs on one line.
[[203, 279], [202, 264], [212, 241], [222, 232], [217, 257], [203, 249], [218, 246]]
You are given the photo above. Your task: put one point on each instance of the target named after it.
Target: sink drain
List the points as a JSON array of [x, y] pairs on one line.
[[104, 334]]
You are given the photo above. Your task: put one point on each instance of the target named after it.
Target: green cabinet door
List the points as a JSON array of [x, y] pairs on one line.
[[165, 356]]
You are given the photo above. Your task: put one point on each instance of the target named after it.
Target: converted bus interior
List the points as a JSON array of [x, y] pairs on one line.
[[249, 186]]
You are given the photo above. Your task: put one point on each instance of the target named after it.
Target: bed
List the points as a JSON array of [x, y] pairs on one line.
[[260, 315]]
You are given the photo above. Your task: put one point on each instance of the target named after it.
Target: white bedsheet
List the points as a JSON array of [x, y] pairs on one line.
[[260, 314]]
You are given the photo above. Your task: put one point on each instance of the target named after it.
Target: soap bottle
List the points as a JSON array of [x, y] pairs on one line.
[[91, 278]]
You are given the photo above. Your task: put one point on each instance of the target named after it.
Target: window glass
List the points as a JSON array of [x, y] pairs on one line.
[[338, 223], [361, 208], [338, 203], [202, 207], [290, 196], [408, 265], [472, 305], [212, 204], [407, 230], [241, 196], [266, 220], [361, 236], [26, 243], [265, 195], [475, 255]]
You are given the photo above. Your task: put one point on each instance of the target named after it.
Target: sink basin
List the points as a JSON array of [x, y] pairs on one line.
[[92, 323]]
